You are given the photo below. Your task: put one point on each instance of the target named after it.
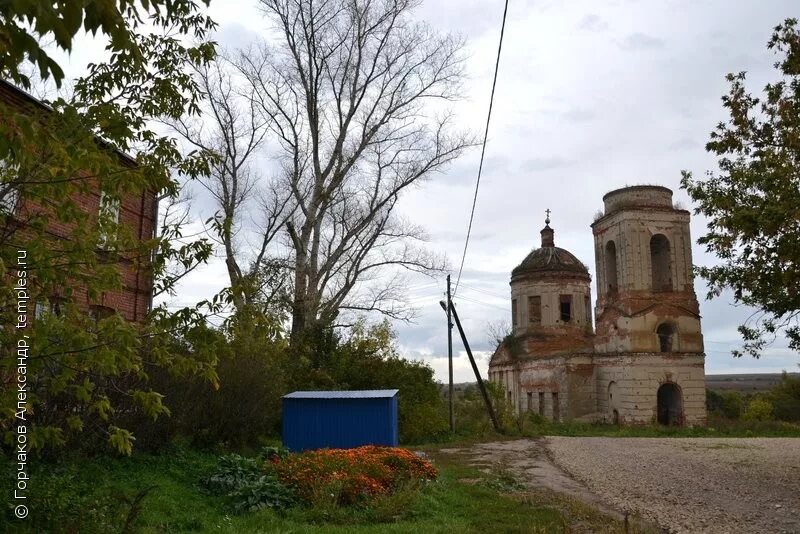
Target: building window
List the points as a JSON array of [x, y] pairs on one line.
[[530, 400], [99, 313], [556, 407], [52, 305], [535, 310], [109, 218], [660, 263], [566, 308], [514, 313], [541, 403], [9, 193], [611, 266], [9, 197], [666, 337]]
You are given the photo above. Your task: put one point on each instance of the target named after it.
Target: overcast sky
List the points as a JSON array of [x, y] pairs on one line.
[[591, 96]]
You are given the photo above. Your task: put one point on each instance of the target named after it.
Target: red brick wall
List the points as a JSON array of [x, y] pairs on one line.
[[136, 214]]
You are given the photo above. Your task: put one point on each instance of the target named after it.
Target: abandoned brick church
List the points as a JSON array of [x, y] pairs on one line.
[[643, 361]]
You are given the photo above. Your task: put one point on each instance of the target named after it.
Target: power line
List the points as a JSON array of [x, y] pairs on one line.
[[483, 148], [475, 301], [484, 291]]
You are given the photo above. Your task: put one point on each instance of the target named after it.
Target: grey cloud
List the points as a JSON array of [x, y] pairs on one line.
[[544, 164], [579, 115], [685, 144], [641, 41], [593, 23]]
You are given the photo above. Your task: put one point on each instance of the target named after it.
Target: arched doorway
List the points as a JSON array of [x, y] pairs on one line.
[[669, 404]]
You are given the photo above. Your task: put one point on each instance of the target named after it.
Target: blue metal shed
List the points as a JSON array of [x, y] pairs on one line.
[[339, 419]]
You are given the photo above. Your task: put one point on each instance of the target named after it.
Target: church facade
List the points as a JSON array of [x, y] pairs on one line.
[[641, 360]]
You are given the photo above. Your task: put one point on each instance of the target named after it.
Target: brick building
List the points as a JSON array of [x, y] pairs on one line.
[[136, 212], [645, 361]]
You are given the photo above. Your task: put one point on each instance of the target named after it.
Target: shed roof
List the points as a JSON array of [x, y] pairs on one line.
[[363, 394]]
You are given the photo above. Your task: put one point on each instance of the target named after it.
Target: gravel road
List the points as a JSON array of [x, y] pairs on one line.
[[736, 485]]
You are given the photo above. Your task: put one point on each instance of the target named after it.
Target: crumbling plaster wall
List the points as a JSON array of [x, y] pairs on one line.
[[636, 379], [550, 292]]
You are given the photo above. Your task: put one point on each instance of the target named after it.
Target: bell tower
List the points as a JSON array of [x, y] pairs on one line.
[[645, 294]]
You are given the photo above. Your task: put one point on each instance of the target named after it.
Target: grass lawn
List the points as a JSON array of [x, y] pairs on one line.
[[99, 495]]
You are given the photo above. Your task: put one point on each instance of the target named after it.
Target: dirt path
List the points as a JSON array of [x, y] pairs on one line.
[[692, 484], [682, 485]]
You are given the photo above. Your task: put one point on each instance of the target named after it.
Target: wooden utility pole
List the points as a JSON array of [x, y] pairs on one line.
[[481, 386], [450, 355]]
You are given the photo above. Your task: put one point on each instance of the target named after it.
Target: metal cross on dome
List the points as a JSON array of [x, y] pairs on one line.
[[547, 220]]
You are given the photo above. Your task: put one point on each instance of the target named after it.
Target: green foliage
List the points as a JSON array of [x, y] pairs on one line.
[[502, 479], [88, 374], [729, 404], [471, 416], [785, 399], [751, 202], [248, 488], [758, 409], [244, 407], [81, 494], [24, 24]]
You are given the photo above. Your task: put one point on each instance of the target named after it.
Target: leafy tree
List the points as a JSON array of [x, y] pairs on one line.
[[785, 398], [84, 373], [753, 202]]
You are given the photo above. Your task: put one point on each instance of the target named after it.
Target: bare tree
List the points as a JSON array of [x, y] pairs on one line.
[[348, 93], [351, 91], [234, 129]]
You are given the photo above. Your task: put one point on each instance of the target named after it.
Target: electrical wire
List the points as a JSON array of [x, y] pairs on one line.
[[484, 291], [483, 147], [482, 303]]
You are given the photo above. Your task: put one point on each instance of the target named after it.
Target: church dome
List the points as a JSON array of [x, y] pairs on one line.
[[550, 260]]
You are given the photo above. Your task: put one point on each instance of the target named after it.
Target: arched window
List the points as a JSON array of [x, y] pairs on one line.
[[666, 337], [611, 266], [660, 263]]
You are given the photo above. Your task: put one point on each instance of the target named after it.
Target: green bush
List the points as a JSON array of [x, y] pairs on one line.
[[242, 410], [472, 418], [785, 399], [247, 486], [729, 404], [758, 410]]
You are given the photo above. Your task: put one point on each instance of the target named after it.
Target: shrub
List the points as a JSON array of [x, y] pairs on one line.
[[729, 404], [244, 408], [758, 410], [344, 477], [785, 398], [243, 481]]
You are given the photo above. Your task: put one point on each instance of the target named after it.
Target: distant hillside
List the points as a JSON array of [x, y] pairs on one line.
[[744, 383]]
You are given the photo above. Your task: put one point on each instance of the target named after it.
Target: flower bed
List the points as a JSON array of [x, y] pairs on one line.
[[350, 476]]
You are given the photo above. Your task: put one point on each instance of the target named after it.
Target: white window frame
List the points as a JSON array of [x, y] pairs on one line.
[[10, 200], [109, 207]]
